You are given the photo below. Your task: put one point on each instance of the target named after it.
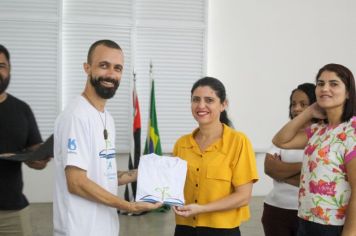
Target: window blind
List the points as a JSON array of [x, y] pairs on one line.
[[30, 31]]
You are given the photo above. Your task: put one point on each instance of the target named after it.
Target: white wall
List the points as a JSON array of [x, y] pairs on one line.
[[262, 50]]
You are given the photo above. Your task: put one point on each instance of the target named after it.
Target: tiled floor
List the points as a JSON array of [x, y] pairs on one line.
[[151, 224]]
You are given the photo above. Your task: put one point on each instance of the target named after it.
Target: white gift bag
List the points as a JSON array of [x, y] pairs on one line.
[[161, 179]]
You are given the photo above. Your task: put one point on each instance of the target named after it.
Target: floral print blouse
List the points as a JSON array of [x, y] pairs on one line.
[[324, 191]]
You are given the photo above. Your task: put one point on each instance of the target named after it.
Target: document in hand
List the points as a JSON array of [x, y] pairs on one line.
[[161, 179], [44, 151]]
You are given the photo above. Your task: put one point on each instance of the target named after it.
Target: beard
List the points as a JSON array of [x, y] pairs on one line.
[[102, 91], [4, 82]]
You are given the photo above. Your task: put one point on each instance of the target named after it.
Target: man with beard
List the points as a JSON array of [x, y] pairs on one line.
[[18, 132], [86, 179]]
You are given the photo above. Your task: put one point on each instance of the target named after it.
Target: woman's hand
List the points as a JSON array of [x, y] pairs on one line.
[[188, 210], [317, 111]]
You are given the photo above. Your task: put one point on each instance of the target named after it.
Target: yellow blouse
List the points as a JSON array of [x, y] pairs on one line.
[[214, 173]]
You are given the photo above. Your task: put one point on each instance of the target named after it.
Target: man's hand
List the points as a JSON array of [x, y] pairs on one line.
[[38, 165], [138, 207]]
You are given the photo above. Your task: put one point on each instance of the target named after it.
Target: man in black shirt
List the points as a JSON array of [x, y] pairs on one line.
[[18, 132]]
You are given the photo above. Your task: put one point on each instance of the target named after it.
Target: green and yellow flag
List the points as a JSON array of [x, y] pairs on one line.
[[153, 143]]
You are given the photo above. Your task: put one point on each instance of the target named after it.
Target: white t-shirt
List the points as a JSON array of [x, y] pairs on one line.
[[79, 141], [161, 179], [284, 195]]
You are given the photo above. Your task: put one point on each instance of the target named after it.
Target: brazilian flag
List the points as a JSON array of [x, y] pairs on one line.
[[153, 143]]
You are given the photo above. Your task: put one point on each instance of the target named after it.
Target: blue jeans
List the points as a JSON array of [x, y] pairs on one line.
[[308, 228]]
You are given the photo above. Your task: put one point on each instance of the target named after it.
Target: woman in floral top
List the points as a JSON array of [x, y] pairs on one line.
[[327, 192]]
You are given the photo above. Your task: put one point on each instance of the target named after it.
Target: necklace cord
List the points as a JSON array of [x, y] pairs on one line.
[[105, 131]]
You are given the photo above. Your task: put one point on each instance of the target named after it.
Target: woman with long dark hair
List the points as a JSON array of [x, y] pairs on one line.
[[327, 192], [221, 167]]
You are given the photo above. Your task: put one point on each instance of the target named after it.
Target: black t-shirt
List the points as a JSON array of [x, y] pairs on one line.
[[18, 131]]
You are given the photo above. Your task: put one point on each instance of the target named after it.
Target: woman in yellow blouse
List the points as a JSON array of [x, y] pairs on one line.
[[221, 167]]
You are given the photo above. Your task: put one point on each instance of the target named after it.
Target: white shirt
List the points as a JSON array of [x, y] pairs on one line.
[[284, 195], [161, 179], [79, 141]]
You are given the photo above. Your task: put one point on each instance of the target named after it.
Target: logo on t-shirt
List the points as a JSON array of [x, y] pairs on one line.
[[72, 145], [108, 153]]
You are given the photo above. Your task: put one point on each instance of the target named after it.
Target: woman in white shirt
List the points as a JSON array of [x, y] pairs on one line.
[[281, 204]]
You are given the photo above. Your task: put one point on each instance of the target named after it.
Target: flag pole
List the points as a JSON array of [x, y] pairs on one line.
[[136, 128], [151, 71], [150, 110], [132, 148]]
